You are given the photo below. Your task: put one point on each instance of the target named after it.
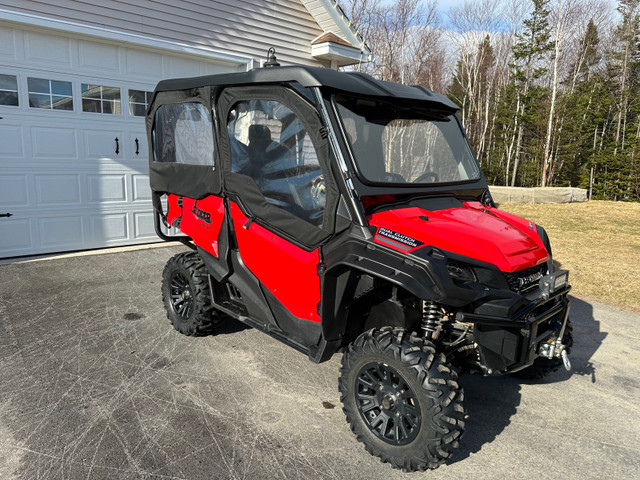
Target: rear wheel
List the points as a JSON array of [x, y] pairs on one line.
[[187, 296], [401, 399]]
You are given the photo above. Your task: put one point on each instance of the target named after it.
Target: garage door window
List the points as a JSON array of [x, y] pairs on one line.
[[183, 133], [138, 102], [8, 90], [50, 94], [100, 99]]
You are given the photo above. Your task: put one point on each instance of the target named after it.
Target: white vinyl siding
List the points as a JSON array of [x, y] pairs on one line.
[[241, 27]]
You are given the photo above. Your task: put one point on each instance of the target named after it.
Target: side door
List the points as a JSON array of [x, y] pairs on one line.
[[282, 198]]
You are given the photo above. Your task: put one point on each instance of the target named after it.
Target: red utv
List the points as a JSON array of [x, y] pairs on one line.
[[338, 213]]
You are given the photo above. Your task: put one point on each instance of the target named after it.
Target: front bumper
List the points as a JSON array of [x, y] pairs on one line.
[[512, 341]]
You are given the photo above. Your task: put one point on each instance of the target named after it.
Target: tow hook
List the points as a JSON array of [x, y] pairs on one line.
[[565, 360], [556, 350]]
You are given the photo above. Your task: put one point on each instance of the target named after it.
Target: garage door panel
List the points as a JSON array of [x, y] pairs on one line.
[[61, 231], [99, 57], [102, 145], [143, 64], [109, 228], [16, 236], [141, 188], [7, 43], [53, 142], [56, 190], [13, 191], [143, 225], [48, 49], [12, 144], [107, 188], [136, 146]]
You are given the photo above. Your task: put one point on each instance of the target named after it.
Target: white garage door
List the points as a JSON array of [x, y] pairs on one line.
[[73, 149]]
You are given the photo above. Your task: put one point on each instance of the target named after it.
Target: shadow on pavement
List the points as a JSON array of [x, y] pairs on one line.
[[587, 338], [492, 401]]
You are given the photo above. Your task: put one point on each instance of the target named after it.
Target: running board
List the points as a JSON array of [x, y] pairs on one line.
[[272, 332]]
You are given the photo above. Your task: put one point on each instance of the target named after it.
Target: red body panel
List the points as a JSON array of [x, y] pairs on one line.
[[474, 230], [200, 219], [289, 272]]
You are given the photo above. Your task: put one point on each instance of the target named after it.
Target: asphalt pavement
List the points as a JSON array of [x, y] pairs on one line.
[[96, 384]]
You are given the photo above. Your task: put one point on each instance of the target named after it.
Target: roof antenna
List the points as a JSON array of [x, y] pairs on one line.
[[271, 59]]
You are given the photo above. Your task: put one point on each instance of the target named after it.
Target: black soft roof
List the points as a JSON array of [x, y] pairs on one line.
[[351, 82]]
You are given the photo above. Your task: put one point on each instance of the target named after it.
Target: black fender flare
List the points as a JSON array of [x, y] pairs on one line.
[[357, 258]]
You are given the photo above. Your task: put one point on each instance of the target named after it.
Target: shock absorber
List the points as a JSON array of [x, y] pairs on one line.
[[431, 317]]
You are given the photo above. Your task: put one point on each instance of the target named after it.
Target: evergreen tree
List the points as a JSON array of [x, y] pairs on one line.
[[532, 45], [529, 52], [584, 107], [615, 167]]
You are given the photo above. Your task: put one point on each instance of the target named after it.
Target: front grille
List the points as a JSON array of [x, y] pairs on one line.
[[527, 279]]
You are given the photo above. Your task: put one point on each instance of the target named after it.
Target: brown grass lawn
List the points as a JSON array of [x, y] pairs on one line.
[[598, 241]]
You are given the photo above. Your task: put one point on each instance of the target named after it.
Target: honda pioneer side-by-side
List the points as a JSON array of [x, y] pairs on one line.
[[339, 213]]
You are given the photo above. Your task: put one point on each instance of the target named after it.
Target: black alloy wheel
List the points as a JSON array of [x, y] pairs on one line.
[[186, 295], [388, 404], [181, 295], [401, 398]]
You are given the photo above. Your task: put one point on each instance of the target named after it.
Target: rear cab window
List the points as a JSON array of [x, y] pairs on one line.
[[183, 133]]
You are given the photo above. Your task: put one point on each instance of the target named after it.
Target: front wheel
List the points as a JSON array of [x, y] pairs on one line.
[[401, 399]]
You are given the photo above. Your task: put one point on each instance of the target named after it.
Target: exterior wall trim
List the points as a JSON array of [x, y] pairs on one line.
[[241, 62], [339, 23], [335, 52]]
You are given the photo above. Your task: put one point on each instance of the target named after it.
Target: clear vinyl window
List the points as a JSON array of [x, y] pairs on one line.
[[183, 133], [269, 143], [405, 144]]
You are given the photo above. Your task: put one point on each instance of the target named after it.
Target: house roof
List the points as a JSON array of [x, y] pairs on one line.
[[331, 37]]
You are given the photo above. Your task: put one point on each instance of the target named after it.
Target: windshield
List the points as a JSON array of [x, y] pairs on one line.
[[405, 145]]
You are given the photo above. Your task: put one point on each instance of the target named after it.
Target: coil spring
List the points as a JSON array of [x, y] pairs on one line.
[[431, 317]]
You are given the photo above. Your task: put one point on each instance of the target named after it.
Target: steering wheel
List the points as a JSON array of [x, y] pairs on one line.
[[390, 177], [426, 175], [319, 191]]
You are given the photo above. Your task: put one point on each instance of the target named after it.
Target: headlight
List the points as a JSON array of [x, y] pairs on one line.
[[553, 282], [461, 273]]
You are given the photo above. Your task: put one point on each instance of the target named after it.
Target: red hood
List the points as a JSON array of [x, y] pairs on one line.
[[474, 230]]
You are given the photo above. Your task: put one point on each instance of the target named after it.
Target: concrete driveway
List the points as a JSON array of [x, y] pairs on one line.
[[95, 383]]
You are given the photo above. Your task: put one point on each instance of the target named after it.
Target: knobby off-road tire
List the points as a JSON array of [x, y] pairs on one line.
[[186, 295], [541, 366], [401, 399]]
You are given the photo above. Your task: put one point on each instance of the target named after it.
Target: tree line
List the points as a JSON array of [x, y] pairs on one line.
[[549, 90]]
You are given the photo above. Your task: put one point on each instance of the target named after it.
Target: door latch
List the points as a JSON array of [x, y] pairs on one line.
[[6, 215]]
